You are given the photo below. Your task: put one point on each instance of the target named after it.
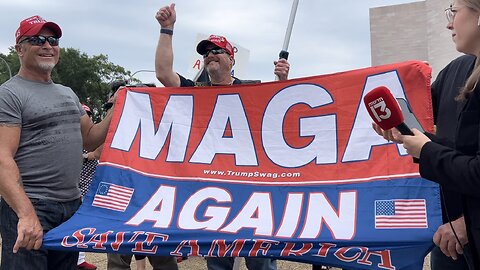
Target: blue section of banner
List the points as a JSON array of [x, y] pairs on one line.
[[340, 241]]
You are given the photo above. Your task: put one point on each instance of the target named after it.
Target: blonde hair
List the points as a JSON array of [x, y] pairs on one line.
[[473, 79]]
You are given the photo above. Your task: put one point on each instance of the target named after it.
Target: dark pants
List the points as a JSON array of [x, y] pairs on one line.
[[51, 214], [252, 263], [122, 262], [438, 261]]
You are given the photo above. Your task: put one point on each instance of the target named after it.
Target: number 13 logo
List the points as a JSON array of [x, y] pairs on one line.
[[386, 113]]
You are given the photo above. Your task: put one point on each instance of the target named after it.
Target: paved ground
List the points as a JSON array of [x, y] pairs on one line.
[[194, 263]]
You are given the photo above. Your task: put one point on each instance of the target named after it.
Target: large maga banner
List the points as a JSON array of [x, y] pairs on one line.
[[289, 170]]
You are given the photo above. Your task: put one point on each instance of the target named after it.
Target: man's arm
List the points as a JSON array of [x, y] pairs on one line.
[[94, 134], [29, 229], [166, 17], [98, 152], [95, 155]]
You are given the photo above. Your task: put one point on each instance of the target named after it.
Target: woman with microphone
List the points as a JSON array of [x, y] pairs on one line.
[[456, 167]]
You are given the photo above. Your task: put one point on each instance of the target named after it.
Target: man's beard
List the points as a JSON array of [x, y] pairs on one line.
[[215, 69], [46, 66]]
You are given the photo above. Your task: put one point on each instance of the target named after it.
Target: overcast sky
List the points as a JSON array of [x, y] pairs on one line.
[[327, 37]]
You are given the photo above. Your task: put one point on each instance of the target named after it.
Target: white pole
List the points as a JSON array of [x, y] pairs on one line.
[[284, 52], [288, 33]]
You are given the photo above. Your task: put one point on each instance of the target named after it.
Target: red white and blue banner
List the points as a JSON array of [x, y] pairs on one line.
[[289, 170]]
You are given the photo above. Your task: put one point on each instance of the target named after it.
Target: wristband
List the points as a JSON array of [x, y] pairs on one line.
[[166, 31]]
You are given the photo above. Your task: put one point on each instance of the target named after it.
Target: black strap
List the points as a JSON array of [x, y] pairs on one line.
[[166, 31]]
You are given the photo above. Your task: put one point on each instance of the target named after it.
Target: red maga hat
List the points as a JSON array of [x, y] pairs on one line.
[[216, 40], [33, 25]]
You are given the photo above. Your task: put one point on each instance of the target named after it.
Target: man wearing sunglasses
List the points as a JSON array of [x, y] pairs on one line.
[[43, 129], [219, 58]]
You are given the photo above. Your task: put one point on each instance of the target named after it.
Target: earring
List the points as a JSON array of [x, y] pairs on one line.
[[478, 22]]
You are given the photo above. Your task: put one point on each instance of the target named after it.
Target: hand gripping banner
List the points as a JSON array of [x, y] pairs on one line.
[[290, 170]]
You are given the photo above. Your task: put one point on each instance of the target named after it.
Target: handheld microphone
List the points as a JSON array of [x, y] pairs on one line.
[[385, 111]]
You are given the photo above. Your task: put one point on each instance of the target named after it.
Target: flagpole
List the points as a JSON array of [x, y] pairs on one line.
[[284, 52]]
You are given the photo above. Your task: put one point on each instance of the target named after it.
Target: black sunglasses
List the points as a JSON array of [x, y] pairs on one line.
[[214, 51], [40, 40]]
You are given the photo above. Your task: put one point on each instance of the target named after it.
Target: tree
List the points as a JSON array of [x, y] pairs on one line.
[[89, 77], [13, 63]]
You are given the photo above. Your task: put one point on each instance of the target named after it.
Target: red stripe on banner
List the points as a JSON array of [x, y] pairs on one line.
[[178, 149]]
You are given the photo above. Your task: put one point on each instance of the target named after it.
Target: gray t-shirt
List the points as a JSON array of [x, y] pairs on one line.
[[49, 154]]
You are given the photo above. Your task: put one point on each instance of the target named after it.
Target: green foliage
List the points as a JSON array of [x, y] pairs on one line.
[[89, 77], [13, 63]]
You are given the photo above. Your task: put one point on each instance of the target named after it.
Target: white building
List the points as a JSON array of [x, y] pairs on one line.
[[413, 31]]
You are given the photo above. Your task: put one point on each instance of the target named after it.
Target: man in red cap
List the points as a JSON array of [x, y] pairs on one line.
[[218, 56], [43, 129]]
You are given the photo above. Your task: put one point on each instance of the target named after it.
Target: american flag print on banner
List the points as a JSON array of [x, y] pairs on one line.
[[113, 197], [400, 214]]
